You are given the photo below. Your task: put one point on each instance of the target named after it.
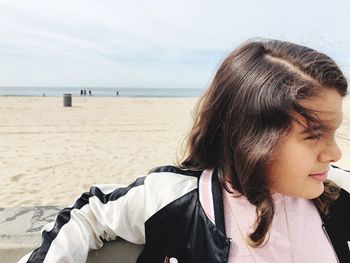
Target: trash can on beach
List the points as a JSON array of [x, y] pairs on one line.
[[67, 100]]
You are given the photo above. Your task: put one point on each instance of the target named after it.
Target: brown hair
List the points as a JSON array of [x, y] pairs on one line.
[[246, 111]]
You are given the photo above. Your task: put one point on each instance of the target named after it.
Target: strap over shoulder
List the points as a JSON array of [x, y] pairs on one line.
[[210, 197]]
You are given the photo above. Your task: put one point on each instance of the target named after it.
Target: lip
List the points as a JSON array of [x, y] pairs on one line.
[[320, 176]]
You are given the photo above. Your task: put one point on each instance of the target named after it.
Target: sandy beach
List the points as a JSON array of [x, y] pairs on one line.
[[50, 154]]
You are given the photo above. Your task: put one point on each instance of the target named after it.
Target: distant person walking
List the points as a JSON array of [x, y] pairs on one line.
[[117, 93], [90, 92], [81, 92], [84, 92]]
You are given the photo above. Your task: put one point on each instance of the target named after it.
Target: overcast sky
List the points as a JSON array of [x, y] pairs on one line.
[[170, 44]]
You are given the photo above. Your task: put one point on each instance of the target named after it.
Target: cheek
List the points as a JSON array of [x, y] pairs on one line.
[[299, 153], [293, 161]]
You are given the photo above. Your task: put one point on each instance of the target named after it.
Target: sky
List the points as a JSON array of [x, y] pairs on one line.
[[160, 44]]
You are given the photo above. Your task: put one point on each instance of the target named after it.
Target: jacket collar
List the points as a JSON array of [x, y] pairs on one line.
[[218, 201]]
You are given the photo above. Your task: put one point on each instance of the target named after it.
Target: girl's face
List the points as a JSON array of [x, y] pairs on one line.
[[303, 159]]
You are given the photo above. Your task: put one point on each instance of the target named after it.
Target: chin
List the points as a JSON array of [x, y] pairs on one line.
[[314, 191]]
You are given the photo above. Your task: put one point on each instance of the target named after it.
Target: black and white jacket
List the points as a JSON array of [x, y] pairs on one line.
[[163, 211]]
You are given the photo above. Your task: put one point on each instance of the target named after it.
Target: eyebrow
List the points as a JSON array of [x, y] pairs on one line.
[[323, 128], [313, 129], [329, 125]]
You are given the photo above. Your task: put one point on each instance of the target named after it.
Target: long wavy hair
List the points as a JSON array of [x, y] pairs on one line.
[[247, 110]]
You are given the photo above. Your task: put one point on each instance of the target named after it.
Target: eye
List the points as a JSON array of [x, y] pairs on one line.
[[316, 136]]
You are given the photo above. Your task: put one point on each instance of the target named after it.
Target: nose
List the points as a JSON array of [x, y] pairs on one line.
[[331, 153]]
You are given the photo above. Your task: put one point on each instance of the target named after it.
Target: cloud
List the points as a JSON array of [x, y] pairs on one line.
[[148, 43]]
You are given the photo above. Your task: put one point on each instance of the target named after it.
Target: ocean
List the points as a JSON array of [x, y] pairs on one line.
[[100, 92]]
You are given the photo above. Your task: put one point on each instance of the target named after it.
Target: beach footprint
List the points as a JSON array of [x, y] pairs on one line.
[[17, 177]]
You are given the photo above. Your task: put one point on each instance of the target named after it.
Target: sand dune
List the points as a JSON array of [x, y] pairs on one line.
[[51, 154]]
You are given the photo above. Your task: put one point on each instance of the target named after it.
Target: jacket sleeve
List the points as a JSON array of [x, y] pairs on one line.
[[103, 213]]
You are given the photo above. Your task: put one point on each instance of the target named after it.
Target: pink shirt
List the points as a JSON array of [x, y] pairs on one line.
[[308, 241]]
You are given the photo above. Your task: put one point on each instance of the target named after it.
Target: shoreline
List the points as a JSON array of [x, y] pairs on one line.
[[101, 92], [99, 96]]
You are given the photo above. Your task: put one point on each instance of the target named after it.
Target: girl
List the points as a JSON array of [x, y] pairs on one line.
[[253, 184]]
